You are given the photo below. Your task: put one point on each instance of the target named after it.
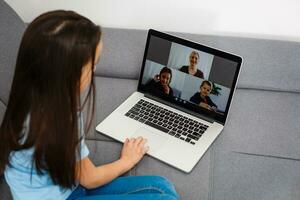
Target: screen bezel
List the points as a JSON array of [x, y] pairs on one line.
[[216, 52]]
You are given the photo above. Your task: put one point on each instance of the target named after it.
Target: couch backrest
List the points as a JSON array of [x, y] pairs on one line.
[[11, 30], [268, 64]]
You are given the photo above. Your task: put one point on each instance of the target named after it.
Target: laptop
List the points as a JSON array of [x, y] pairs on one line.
[[182, 100]]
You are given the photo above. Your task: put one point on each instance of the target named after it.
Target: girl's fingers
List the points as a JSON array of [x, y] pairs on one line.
[[132, 140], [143, 142], [139, 140], [145, 149]]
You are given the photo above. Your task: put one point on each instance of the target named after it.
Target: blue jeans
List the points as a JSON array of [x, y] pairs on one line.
[[129, 188]]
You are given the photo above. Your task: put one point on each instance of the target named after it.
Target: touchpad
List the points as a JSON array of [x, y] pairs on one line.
[[154, 141]]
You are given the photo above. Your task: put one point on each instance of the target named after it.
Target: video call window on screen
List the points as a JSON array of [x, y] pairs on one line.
[[188, 76]]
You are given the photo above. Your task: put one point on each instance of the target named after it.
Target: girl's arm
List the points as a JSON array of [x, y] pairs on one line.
[[91, 176]]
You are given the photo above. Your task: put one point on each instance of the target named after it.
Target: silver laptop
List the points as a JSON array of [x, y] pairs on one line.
[[182, 101]]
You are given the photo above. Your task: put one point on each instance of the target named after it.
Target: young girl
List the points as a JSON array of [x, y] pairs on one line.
[[160, 85], [42, 150]]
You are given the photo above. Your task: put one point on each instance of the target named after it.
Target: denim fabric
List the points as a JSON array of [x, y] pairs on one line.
[[129, 188]]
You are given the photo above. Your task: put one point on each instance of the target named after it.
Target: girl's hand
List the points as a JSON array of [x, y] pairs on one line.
[[166, 89], [133, 151], [156, 77], [204, 105]]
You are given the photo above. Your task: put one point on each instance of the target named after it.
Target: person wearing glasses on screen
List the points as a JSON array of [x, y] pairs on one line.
[[192, 68]]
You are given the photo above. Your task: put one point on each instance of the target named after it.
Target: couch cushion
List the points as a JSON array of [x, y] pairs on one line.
[[268, 64], [237, 176], [263, 122], [11, 30]]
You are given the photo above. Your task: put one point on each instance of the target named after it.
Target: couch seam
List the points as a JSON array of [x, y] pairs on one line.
[[270, 90], [117, 77], [267, 156]]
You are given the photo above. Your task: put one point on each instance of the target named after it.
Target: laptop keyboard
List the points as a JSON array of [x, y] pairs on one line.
[[167, 121]]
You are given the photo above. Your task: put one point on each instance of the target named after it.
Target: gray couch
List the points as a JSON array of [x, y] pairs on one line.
[[257, 156]]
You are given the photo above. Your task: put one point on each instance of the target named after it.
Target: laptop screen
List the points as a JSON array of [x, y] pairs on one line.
[[188, 75]]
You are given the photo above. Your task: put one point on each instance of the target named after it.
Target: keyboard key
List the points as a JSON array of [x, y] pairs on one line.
[[157, 127], [192, 137], [170, 123], [172, 133], [142, 120], [133, 112], [196, 134]]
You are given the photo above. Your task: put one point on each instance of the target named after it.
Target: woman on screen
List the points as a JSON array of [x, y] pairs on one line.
[[192, 68]]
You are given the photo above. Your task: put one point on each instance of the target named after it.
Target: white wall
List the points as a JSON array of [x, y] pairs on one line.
[[274, 19]]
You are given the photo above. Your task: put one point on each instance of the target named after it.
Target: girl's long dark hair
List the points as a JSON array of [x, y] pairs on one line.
[[46, 87]]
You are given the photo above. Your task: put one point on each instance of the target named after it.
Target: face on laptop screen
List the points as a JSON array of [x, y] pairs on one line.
[[188, 77]]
